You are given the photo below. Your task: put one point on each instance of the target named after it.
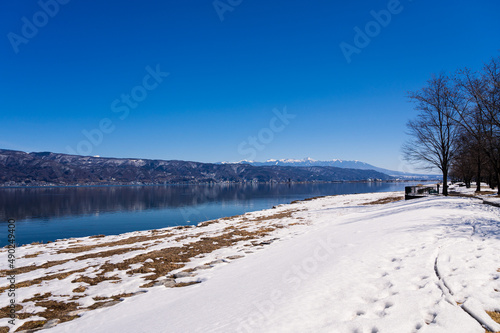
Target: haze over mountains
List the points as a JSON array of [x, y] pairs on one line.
[[308, 162], [19, 168]]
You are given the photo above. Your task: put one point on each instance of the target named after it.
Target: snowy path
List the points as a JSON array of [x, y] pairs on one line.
[[427, 265]]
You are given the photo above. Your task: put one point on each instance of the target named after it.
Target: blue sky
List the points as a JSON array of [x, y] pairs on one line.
[[89, 67]]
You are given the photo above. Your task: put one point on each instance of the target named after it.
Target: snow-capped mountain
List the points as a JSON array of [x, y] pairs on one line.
[[307, 162], [46, 168]]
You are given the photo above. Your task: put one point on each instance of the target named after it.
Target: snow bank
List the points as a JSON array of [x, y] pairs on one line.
[[425, 265]]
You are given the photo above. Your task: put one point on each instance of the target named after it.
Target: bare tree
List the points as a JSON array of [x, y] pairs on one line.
[[465, 162], [476, 100], [434, 133]]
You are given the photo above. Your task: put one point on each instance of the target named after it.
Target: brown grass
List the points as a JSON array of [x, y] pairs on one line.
[[160, 263], [57, 309], [58, 276], [31, 325], [5, 311], [204, 224], [37, 297], [383, 201], [310, 199], [485, 192], [33, 255], [96, 305], [53, 309], [95, 280], [120, 296], [276, 216], [27, 269], [148, 285], [79, 289], [165, 260], [185, 284], [129, 240], [495, 316]]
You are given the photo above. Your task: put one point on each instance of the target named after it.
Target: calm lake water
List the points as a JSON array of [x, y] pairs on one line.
[[47, 214]]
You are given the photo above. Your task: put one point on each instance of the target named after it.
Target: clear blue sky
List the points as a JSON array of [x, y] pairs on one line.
[[74, 71]]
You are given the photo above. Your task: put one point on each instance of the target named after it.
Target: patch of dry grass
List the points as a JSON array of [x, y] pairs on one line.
[[37, 297], [310, 199], [79, 289], [57, 310], [154, 264], [204, 224], [30, 268], [383, 201], [27, 269], [59, 276], [185, 284], [485, 192], [95, 280], [495, 316], [277, 216], [161, 262], [97, 236], [5, 311], [125, 241], [33, 255], [53, 310], [31, 325]]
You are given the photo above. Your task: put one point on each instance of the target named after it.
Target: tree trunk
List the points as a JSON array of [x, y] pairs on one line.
[[478, 177], [445, 182], [498, 183]]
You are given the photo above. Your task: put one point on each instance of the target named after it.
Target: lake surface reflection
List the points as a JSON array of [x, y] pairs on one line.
[[47, 214]]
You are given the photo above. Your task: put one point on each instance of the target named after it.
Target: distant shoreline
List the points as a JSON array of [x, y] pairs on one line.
[[220, 183]]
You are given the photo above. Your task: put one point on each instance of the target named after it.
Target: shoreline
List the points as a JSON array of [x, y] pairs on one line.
[[68, 259], [218, 184], [181, 204], [78, 279]]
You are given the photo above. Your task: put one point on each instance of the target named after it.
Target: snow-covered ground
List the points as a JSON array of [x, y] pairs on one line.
[[331, 264], [487, 194]]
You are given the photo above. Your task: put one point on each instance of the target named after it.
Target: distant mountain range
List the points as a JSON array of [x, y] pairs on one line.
[[19, 168], [309, 162]]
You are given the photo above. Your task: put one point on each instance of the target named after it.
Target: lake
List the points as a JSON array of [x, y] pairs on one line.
[[50, 213]]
